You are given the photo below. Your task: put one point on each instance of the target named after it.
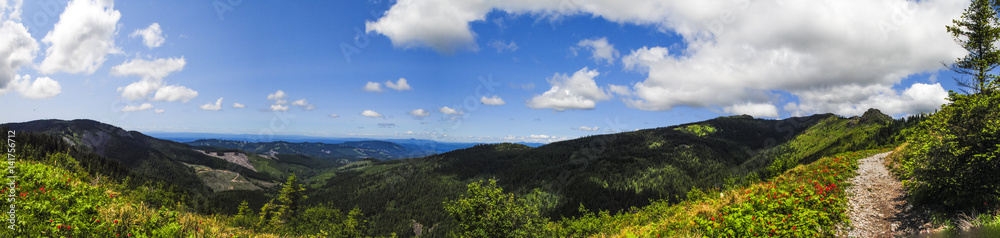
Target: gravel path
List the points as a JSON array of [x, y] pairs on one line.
[[875, 199], [878, 204]]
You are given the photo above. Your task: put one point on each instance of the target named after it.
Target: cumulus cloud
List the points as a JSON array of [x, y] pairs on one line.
[[399, 85], [419, 113], [600, 49], [753, 109], [82, 38], [279, 108], [281, 104], [503, 46], [373, 87], [212, 107], [174, 93], [539, 136], [855, 100], [450, 111], [372, 114], [578, 91], [277, 95], [732, 52], [620, 90], [586, 128], [17, 48], [40, 88], [305, 105], [494, 101], [143, 107], [152, 73], [238, 105], [334, 115], [158, 111], [152, 36]]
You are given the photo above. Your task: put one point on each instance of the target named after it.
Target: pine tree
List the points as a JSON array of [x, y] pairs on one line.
[[977, 31], [281, 210]]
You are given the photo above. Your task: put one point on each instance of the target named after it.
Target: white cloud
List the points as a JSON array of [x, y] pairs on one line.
[[334, 115], [155, 69], [277, 95], [400, 85], [143, 107], [158, 111], [732, 52], [280, 103], [174, 93], [409, 132], [578, 91], [450, 111], [40, 88], [754, 109], [370, 113], [853, 100], [279, 108], [82, 39], [373, 87], [152, 36], [238, 105], [11, 10], [620, 90], [503, 46], [152, 74], [495, 100], [141, 89], [302, 103], [17, 48], [419, 113], [212, 107], [539, 136], [600, 49], [586, 128]]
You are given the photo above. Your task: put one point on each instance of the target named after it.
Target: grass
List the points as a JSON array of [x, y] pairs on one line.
[[55, 202]]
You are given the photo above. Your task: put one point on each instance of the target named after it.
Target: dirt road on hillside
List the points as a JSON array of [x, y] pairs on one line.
[[877, 203]]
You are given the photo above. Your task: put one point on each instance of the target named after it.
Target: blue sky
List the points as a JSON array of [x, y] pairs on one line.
[[563, 68]]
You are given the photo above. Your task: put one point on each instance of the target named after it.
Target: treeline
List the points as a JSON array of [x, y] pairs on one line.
[[605, 173]]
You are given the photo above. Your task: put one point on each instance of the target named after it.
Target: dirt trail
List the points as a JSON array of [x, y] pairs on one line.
[[877, 203]]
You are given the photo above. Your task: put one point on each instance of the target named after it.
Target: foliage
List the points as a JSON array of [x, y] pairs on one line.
[[279, 211], [697, 129], [978, 32], [486, 211], [952, 157], [807, 201]]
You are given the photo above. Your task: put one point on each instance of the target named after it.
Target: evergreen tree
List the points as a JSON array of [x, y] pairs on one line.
[[279, 211], [977, 31]]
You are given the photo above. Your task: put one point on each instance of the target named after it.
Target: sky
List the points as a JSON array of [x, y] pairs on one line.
[[467, 71]]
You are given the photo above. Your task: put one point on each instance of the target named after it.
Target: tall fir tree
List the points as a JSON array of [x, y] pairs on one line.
[[977, 31]]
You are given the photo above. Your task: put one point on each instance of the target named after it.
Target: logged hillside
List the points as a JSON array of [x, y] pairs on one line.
[[602, 173], [142, 158]]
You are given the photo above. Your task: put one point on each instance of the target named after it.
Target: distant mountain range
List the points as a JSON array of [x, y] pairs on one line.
[[410, 144]]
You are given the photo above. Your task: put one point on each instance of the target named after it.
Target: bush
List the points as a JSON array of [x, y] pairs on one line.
[[952, 156], [486, 211]]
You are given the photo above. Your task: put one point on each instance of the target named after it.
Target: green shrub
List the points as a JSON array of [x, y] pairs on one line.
[[952, 156], [486, 211]]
